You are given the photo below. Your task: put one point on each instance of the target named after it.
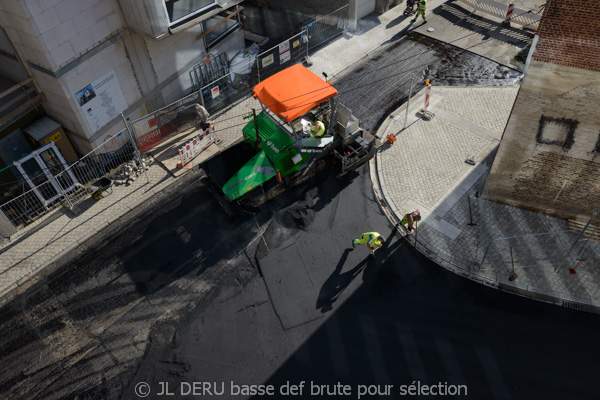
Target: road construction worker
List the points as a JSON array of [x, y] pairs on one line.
[[202, 116], [373, 240], [410, 219], [421, 11], [317, 129]]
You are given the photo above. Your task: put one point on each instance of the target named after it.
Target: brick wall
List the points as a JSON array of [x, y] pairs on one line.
[[569, 34]]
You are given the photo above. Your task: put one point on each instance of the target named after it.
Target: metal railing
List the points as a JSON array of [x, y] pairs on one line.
[[235, 81], [72, 185], [327, 27], [282, 55]]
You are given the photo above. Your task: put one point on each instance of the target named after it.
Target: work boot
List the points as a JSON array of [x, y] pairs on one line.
[[413, 21], [373, 255], [353, 245]]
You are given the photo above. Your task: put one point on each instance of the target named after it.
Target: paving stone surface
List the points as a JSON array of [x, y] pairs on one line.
[[426, 167]]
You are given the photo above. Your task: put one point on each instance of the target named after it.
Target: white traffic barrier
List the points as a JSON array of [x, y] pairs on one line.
[[196, 145]]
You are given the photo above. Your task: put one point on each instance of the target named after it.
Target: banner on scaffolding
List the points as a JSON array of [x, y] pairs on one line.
[[197, 145]]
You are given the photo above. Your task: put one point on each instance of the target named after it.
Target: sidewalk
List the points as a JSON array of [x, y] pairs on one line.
[[424, 169]]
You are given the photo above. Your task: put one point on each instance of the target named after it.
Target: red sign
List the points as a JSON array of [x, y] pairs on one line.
[[150, 139]]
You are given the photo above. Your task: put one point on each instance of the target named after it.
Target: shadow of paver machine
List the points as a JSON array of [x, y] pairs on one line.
[[279, 150]]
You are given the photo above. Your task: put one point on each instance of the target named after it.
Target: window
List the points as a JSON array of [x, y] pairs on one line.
[[181, 11], [221, 31]]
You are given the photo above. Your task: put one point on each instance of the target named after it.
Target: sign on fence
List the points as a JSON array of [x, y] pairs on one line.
[[175, 118], [195, 147]]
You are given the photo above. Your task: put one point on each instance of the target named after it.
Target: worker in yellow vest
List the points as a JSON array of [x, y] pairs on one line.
[[421, 11], [317, 129], [411, 220], [373, 240]]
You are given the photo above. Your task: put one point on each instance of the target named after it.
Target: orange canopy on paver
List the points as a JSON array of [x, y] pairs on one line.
[[292, 92]]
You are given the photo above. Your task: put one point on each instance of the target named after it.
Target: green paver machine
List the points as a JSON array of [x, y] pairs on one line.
[[278, 149]]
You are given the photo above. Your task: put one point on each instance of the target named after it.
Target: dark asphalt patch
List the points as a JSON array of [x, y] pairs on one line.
[[290, 285], [308, 263], [377, 86]]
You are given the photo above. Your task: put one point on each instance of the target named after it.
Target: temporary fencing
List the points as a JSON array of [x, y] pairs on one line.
[[229, 81], [325, 28], [281, 56], [156, 126], [69, 186], [233, 81]]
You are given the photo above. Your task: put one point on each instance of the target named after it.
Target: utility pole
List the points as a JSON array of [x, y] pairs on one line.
[[412, 77]]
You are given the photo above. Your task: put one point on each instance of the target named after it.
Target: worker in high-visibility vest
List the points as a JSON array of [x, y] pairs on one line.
[[373, 240], [317, 129], [410, 219], [421, 11]]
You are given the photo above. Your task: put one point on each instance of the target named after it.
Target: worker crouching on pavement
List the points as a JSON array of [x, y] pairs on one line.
[[410, 219], [317, 129], [373, 240]]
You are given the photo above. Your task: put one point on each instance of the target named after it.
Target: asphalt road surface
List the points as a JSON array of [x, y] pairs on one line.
[[380, 83], [184, 294], [395, 320], [79, 330]]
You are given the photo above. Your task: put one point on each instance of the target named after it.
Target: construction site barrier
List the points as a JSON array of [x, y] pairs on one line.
[[191, 149], [499, 9], [509, 12], [427, 95]]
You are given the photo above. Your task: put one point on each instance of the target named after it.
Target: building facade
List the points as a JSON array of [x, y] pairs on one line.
[[95, 59], [549, 156]]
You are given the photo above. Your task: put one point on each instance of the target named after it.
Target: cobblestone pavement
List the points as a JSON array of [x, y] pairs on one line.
[[425, 169]]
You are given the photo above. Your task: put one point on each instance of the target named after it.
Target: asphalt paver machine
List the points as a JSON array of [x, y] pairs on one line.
[[278, 150]]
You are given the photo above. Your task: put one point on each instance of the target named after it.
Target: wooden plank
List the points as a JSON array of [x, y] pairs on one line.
[[36, 101], [23, 96], [15, 87], [219, 24]]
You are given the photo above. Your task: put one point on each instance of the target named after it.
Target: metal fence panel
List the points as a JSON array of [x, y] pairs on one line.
[[157, 126], [327, 27], [283, 55], [71, 185]]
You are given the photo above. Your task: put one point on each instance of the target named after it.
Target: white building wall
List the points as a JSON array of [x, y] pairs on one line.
[[75, 42], [175, 52], [53, 33]]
